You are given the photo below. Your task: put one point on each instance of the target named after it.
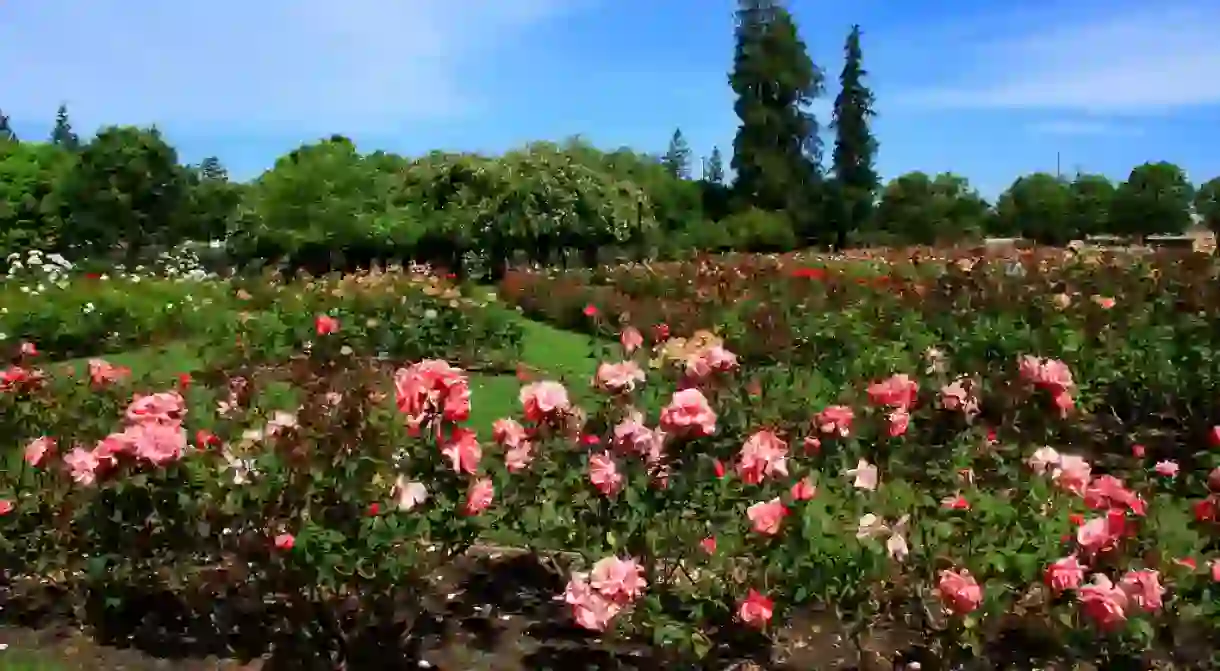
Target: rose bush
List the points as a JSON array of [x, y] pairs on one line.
[[398, 315], [983, 497]]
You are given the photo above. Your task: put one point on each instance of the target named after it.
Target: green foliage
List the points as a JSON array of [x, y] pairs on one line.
[[1207, 203], [1038, 207], [677, 156], [256, 498], [777, 149], [1092, 204], [855, 149], [1156, 198], [758, 231], [714, 168], [30, 213], [126, 187], [924, 210], [62, 134]]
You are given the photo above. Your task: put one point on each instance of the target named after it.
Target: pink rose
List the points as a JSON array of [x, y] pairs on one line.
[[156, 443], [285, 542], [959, 592], [166, 407], [604, 475], [688, 413], [631, 339], [508, 432], [544, 401], [1143, 588], [6, 507], [1168, 469], [620, 580], [1103, 602], [803, 490], [430, 390], [590, 609], [1066, 573], [618, 378], [896, 422], [763, 455], [835, 419], [898, 392], [767, 517], [479, 496], [1072, 474], [38, 450], [462, 450], [756, 610]]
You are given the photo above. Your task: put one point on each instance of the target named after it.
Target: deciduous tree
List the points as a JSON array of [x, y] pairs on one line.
[[1155, 199]]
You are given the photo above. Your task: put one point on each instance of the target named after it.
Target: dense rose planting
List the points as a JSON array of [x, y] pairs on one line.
[[971, 493]]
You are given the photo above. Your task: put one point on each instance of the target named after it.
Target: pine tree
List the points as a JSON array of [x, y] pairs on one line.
[[677, 156], [714, 173], [6, 131], [856, 181], [61, 134], [211, 169], [777, 151]]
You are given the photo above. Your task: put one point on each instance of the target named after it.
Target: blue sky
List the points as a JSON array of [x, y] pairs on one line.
[[985, 88]]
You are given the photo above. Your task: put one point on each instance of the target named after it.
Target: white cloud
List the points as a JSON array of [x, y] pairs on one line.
[[1083, 127], [294, 64], [1124, 60]]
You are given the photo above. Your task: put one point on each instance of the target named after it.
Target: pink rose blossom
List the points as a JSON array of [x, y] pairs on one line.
[[430, 390], [756, 610], [38, 450], [896, 422], [1168, 469], [763, 455], [1143, 588], [618, 378], [1064, 574], [835, 419], [959, 591], [156, 443], [6, 507], [479, 496], [1103, 602], [166, 407], [508, 432], [897, 392], [688, 414], [285, 542], [767, 517], [1072, 474], [631, 339], [604, 475], [462, 450], [590, 609], [803, 490], [620, 580], [544, 401]]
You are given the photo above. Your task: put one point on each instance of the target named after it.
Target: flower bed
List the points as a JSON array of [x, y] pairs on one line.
[[967, 501], [396, 315]]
